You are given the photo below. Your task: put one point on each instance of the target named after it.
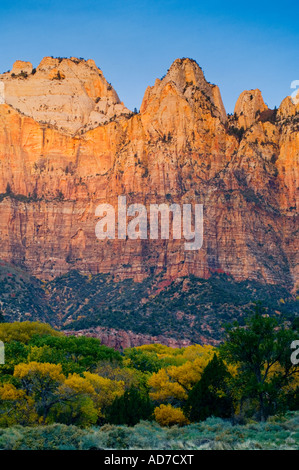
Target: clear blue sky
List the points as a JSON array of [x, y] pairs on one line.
[[240, 45]]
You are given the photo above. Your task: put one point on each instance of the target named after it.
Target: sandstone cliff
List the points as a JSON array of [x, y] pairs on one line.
[[67, 143]]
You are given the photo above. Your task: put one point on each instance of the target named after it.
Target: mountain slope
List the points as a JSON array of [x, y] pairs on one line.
[[124, 313]]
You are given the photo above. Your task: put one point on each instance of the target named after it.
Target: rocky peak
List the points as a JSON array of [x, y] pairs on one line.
[[288, 108], [183, 106], [69, 94], [249, 107], [185, 73], [184, 81], [20, 66]]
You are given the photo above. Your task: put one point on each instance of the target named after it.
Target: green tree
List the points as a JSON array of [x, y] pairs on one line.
[[144, 361], [15, 352], [130, 408], [75, 354], [210, 396], [261, 351], [25, 331]]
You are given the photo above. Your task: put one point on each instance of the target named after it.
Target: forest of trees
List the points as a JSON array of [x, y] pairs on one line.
[[49, 377]]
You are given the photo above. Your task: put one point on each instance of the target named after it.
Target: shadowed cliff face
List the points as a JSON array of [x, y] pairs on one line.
[[57, 164]]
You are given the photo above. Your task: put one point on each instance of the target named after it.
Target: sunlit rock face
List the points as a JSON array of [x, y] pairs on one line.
[[67, 143]]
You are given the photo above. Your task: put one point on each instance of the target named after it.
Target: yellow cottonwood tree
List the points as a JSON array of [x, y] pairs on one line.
[[40, 381], [105, 390], [174, 382], [167, 415], [16, 407], [76, 402], [85, 398]]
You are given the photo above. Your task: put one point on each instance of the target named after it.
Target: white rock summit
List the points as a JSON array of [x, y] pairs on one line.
[[69, 94]]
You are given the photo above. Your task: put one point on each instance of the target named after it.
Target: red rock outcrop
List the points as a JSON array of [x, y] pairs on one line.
[[120, 339]]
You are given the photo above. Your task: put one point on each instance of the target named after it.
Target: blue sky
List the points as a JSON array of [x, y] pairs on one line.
[[239, 45]]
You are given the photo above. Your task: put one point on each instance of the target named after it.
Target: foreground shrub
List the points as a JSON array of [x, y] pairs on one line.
[[214, 433], [55, 436]]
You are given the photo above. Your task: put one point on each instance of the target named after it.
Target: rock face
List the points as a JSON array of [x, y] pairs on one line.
[[67, 143]]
